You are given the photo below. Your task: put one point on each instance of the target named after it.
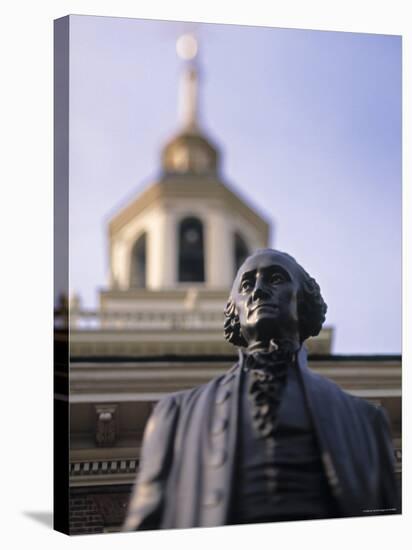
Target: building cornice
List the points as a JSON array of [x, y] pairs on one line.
[[179, 188], [146, 380]]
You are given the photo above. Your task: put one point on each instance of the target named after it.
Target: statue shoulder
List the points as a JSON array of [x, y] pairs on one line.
[[166, 404], [340, 396], [177, 400]]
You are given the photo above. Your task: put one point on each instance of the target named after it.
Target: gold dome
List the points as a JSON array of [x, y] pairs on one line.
[[190, 152]]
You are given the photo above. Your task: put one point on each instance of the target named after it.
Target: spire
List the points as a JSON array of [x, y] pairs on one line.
[[190, 151], [187, 49]]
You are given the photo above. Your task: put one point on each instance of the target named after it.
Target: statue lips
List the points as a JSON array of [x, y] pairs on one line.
[[263, 306]]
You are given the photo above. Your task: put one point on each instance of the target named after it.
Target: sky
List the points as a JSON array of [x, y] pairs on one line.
[[309, 124]]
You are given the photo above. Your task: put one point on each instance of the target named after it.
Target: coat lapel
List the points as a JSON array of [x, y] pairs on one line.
[[215, 425], [323, 421], [331, 414], [236, 384]]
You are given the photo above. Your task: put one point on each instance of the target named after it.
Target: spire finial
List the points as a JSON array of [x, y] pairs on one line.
[[187, 49]]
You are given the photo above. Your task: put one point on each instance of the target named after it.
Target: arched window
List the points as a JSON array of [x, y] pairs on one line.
[[191, 256], [240, 251], [138, 263]]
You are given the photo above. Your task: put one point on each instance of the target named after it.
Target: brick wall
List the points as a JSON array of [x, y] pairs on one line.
[[84, 516], [97, 509]]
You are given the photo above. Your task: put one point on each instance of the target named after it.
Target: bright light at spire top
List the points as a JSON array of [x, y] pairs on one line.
[[186, 46]]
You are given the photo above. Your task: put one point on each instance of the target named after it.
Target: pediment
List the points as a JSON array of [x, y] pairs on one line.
[[199, 189]]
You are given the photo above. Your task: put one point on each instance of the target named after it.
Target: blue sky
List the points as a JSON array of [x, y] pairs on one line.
[[309, 123]]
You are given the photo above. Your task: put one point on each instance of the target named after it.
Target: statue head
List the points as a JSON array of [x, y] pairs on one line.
[[273, 299]]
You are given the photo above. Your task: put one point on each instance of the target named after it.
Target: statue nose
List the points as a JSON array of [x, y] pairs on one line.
[[259, 291]]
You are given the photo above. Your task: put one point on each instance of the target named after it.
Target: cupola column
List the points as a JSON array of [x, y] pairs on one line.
[[219, 266]]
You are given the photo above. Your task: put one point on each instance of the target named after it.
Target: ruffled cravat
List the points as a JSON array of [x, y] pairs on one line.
[[267, 381]]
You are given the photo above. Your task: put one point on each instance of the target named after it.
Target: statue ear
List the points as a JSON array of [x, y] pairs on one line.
[[232, 329]]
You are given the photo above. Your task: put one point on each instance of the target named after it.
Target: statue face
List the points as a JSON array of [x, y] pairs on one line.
[[265, 293]]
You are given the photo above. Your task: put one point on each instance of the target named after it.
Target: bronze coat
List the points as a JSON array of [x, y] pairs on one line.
[[189, 451]]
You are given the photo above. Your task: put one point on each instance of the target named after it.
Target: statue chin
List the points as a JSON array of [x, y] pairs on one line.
[[266, 333]]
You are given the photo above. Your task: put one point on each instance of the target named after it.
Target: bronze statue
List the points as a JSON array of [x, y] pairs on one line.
[[269, 440]]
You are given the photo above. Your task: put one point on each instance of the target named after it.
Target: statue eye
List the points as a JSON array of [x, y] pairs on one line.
[[277, 278], [246, 285]]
